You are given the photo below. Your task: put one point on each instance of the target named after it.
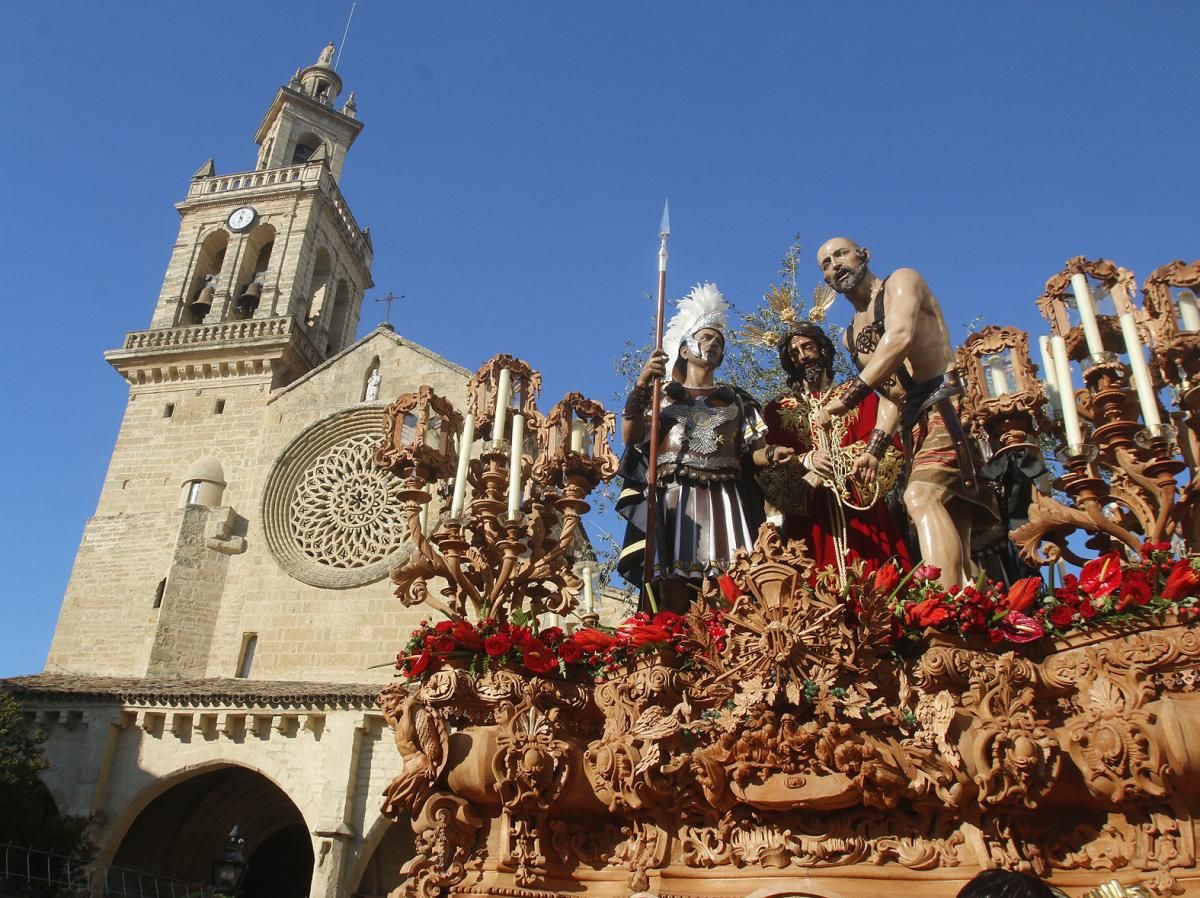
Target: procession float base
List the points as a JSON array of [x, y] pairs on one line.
[[792, 750]]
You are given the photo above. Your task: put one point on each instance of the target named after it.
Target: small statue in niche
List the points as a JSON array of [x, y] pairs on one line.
[[373, 382]]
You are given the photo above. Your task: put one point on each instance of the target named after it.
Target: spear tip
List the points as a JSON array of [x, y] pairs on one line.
[[664, 230]]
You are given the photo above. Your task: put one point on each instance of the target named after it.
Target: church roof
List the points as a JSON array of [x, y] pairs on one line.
[[175, 690], [382, 331]]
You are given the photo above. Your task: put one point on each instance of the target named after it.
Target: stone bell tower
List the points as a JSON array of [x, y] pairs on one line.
[[265, 283]]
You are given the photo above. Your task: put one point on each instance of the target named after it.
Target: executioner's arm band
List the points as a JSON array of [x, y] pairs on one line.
[[635, 405], [877, 443], [856, 393]]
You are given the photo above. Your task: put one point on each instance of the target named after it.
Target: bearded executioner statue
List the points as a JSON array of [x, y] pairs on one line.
[[899, 342]]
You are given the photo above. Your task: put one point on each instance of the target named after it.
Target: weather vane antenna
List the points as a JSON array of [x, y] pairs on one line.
[[342, 44]]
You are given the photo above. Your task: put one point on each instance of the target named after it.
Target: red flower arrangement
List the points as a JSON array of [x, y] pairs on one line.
[[1109, 589], [590, 651]]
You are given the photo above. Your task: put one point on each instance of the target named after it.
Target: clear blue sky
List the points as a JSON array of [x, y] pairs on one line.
[[514, 164]]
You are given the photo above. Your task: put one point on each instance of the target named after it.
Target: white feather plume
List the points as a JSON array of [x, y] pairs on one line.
[[703, 307]]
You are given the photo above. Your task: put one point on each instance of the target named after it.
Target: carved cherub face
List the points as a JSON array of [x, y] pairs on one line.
[[843, 264]]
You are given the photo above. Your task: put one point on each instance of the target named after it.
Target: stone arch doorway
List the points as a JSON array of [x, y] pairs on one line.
[[179, 832], [387, 848]]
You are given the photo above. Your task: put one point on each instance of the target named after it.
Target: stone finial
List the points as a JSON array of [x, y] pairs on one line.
[[207, 170], [351, 106]]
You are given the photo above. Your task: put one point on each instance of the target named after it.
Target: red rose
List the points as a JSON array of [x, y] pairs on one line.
[[551, 635], [537, 657], [886, 579], [1087, 610], [729, 589], [466, 636], [1135, 591], [929, 613], [444, 645], [497, 645], [927, 572], [519, 635], [444, 626], [1062, 615], [1101, 576], [570, 651], [1181, 582], [1022, 594]]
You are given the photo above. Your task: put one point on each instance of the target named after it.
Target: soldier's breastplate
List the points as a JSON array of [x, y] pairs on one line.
[[699, 440]]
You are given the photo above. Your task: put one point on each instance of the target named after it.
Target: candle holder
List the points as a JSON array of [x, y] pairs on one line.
[[500, 555], [1005, 419]]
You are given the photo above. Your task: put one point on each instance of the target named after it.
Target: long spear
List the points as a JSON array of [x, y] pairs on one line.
[[664, 231]]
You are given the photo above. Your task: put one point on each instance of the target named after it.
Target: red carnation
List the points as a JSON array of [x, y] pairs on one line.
[[570, 651], [444, 645], [929, 613], [444, 626], [1101, 576], [551, 635], [536, 656], [886, 579], [497, 645], [1022, 594], [1181, 582], [519, 635]]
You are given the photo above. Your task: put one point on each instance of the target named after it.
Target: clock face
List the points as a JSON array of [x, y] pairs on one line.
[[241, 218]]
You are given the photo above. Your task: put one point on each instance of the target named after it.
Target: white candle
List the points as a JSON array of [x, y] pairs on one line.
[[423, 517], [1188, 311], [1070, 414], [514, 465], [464, 460], [1049, 373], [578, 429], [1087, 313], [997, 374], [589, 597], [503, 392], [1141, 373]]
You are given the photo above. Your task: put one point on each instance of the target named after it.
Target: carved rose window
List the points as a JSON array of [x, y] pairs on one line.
[[332, 517]]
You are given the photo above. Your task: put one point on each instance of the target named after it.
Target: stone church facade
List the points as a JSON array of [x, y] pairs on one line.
[[218, 650]]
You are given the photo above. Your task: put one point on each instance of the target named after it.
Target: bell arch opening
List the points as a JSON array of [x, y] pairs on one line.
[[179, 833]]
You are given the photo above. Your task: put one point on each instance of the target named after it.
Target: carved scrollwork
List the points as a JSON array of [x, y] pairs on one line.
[[446, 829]]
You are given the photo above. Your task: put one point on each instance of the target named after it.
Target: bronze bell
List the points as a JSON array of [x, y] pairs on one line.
[[248, 301], [202, 304]]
